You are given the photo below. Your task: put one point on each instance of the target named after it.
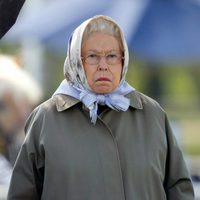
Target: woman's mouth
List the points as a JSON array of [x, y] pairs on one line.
[[103, 79]]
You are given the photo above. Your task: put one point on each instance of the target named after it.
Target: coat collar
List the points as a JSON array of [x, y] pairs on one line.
[[135, 100], [64, 102]]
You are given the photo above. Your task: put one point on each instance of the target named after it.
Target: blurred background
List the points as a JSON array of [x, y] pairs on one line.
[[164, 43]]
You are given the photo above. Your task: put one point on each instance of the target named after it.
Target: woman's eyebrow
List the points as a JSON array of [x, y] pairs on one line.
[[96, 51]]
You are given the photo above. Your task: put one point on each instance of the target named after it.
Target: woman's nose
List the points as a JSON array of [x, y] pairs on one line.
[[102, 64]]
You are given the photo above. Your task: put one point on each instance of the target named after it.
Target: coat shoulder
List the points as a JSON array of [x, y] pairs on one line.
[[44, 107], [148, 103], [147, 100]]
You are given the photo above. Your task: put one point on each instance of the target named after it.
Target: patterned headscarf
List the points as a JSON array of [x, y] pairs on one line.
[[76, 84]]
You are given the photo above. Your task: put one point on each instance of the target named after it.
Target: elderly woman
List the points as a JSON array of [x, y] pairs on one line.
[[98, 138]]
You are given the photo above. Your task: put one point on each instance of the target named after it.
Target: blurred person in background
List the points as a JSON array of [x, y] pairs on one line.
[[9, 10], [98, 138], [19, 94]]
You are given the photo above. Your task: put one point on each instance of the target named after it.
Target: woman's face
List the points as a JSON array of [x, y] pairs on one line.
[[102, 61]]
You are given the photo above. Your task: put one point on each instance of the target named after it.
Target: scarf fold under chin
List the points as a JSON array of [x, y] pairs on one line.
[[115, 100]]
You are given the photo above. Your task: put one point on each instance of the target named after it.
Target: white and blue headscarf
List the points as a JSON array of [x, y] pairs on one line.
[[76, 84]]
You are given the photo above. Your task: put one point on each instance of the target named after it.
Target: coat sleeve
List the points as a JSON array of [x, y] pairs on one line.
[[27, 177], [178, 184]]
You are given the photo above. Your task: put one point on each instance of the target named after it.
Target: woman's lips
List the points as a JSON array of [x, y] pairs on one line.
[[103, 79]]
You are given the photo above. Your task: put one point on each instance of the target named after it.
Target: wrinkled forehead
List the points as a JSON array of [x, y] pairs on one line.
[[100, 43]]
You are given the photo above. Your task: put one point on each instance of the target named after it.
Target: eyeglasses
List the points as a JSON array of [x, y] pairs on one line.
[[111, 58]]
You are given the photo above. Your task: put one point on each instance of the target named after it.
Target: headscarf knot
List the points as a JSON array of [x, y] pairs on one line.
[[116, 100]]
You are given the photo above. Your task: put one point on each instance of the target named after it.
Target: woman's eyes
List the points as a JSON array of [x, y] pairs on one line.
[[96, 56], [92, 56], [111, 56]]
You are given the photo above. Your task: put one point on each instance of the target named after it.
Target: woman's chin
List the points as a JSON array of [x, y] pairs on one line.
[[103, 87]]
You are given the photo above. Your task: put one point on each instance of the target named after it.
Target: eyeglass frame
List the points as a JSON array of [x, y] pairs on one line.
[[120, 58]]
